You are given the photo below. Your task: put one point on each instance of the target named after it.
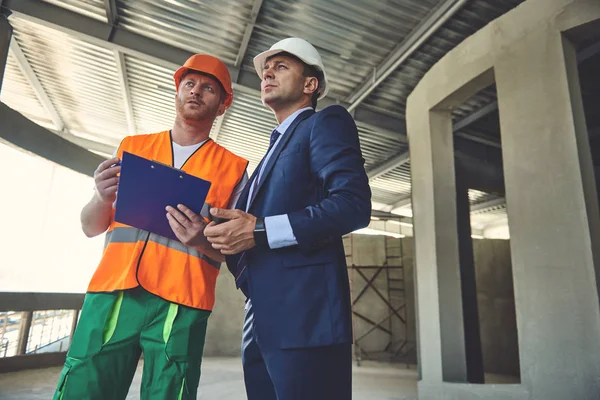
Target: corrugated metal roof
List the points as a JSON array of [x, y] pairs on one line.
[[90, 8], [392, 186], [392, 93], [79, 78], [485, 96], [215, 27], [477, 197], [376, 147], [152, 95], [18, 94], [351, 36]]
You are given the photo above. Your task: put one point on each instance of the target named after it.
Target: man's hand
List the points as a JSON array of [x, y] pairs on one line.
[[187, 226], [106, 180], [233, 236]]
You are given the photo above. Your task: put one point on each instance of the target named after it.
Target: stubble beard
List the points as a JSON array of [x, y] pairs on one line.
[[201, 113]]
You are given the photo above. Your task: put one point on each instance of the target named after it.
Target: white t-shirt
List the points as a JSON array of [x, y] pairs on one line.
[[182, 153]]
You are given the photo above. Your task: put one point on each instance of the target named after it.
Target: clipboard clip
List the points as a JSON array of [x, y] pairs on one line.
[[181, 172], [161, 163]]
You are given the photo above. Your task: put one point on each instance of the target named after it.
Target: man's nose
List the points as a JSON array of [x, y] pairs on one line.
[[267, 73], [196, 91]]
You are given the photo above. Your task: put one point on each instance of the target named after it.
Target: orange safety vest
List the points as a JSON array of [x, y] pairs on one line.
[[167, 268]]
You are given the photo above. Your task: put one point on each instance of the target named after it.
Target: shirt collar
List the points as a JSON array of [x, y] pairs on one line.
[[288, 121]]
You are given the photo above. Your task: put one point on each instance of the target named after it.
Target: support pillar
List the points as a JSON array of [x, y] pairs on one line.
[[473, 350], [553, 216], [438, 285], [551, 200], [26, 319]]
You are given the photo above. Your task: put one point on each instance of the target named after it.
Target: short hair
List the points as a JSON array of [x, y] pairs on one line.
[[309, 71]]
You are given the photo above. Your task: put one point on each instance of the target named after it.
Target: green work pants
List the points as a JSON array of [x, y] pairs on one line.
[[114, 329]]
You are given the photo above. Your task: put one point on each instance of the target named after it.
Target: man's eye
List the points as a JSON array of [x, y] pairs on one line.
[[189, 83], [281, 66], [209, 88]]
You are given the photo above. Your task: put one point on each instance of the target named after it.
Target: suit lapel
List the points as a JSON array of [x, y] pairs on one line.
[[277, 150], [243, 200]]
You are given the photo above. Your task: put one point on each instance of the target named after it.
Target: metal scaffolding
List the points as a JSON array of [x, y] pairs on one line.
[[394, 322]]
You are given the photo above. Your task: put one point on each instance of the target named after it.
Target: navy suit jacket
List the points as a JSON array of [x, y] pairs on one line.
[[300, 294]]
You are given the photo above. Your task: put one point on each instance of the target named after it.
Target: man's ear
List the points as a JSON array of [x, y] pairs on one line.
[[311, 84], [221, 109]]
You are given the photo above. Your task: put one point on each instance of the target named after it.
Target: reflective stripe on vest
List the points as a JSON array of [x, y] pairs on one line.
[[132, 235]]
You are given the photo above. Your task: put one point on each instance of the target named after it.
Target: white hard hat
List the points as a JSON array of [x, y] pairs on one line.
[[301, 49]]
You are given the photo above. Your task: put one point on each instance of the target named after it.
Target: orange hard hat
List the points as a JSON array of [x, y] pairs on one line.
[[208, 65]]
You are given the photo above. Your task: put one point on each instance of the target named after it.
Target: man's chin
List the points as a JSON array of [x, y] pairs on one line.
[[269, 101], [199, 115]]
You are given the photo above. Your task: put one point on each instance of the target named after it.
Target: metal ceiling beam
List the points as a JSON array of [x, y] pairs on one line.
[[478, 139], [403, 158], [248, 33], [436, 18], [475, 116], [388, 126], [90, 145], [112, 16], [111, 11], [21, 132], [124, 83], [458, 127], [98, 32], [116, 38], [583, 55], [388, 165], [34, 82]]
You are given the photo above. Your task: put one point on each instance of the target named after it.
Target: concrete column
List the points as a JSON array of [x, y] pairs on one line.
[[26, 319], [5, 36], [438, 286], [473, 350], [553, 216]]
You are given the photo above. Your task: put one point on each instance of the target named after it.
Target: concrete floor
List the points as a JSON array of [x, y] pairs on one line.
[[222, 379]]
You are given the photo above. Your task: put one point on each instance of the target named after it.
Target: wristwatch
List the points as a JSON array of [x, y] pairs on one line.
[[260, 233]]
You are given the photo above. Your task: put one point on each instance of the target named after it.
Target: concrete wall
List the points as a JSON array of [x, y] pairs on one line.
[[364, 253]]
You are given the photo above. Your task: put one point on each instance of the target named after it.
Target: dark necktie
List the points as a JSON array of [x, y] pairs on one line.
[[240, 275], [274, 136]]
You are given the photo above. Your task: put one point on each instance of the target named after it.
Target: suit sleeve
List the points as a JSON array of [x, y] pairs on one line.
[[337, 161]]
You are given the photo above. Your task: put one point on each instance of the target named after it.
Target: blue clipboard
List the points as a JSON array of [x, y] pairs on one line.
[[146, 187]]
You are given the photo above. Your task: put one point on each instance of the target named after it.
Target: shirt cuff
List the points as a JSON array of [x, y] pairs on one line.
[[279, 231]]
